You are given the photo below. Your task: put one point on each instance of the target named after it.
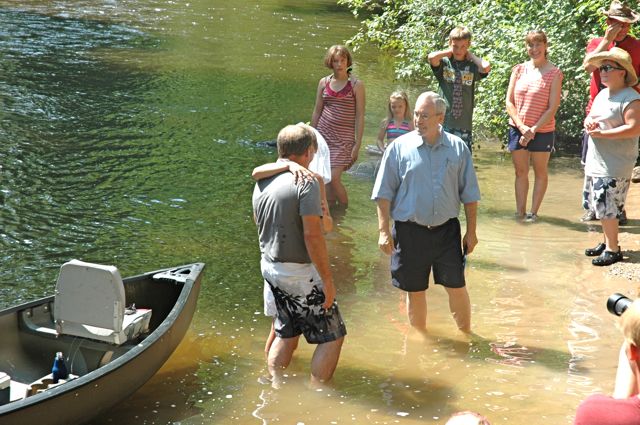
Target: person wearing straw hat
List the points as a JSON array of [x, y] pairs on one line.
[[613, 126], [619, 20]]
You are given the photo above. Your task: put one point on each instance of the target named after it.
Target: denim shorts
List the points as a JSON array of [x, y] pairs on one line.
[[542, 142], [418, 249], [297, 299]]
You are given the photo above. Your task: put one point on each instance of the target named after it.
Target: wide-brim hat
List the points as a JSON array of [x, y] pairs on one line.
[[621, 12], [619, 56]]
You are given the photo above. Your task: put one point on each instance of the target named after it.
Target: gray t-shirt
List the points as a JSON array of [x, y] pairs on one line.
[[611, 157], [278, 205]]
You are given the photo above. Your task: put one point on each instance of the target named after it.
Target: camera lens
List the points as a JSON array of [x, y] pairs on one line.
[[618, 303]]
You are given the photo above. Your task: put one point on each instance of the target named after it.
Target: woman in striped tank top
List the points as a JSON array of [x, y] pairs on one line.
[[398, 121], [533, 97], [339, 117]]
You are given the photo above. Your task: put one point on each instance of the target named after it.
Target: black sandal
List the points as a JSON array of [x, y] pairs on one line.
[[607, 258], [596, 250]]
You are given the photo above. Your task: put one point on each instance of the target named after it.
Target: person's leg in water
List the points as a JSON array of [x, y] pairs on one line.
[[272, 337], [520, 160], [336, 192], [417, 309], [324, 361], [540, 161], [460, 307], [280, 354]]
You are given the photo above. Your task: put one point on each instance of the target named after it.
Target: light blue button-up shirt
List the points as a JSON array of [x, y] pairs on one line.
[[426, 183]]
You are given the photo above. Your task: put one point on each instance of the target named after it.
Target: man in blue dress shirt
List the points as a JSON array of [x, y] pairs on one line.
[[424, 177]]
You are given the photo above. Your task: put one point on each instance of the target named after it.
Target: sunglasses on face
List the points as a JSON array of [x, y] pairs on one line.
[[608, 68]]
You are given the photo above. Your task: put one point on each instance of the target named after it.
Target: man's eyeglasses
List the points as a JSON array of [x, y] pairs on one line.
[[609, 68], [425, 116]]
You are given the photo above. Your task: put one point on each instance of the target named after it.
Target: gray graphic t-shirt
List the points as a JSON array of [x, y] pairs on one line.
[[457, 85]]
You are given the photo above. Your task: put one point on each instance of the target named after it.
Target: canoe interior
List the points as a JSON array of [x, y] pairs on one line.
[[29, 342]]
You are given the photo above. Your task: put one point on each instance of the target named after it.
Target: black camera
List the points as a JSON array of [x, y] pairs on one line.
[[618, 304]]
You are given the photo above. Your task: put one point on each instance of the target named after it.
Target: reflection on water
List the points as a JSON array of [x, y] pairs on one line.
[[130, 128]]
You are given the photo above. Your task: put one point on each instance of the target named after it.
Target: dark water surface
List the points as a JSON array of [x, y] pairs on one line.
[[130, 129]]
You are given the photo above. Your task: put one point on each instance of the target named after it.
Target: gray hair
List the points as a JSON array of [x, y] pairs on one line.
[[294, 140], [435, 98]]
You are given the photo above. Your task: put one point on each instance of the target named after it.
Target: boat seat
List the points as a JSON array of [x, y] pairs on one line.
[[90, 303]]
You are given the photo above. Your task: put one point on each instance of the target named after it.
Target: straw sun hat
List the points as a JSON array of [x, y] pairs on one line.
[[618, 56], [621, 12]]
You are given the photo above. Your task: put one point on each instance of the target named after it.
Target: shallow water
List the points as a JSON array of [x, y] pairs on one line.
[[130, 129]]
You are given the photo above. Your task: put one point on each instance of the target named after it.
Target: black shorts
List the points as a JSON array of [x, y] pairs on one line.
[[542, 142], [417, 249]]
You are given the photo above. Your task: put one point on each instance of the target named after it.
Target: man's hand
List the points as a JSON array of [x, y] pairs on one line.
[[612, 31], [470, 240], [385, 242], [329, 294], [300, 173]]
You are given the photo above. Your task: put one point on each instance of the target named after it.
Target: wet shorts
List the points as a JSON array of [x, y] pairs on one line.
[[298, 298], [418, 248], [542, 142], [465, 135], [606, 195]]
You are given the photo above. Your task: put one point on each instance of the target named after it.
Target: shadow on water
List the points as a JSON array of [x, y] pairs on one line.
[[168, 395], [412, 383]]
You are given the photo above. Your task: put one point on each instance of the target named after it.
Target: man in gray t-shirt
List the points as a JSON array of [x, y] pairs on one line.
[[295, 264], [279, 205]]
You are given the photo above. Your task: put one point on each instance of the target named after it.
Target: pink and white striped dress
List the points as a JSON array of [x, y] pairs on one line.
[[337, 122]]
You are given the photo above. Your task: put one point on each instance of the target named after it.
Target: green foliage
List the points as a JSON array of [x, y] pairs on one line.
[[410, 29]]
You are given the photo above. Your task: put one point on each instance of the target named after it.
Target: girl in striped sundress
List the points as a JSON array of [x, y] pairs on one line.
[[398, 121], [532, 100], [339, 116]]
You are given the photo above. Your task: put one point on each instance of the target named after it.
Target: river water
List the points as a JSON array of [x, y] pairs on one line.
[[130, 129]]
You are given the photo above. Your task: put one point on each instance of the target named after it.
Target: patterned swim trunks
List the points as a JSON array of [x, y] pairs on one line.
[[605, 195], [297, 302]]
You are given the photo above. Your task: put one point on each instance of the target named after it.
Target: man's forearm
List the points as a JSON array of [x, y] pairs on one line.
[[471, 213], [317, 250], [601, 47], [384, 206]]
